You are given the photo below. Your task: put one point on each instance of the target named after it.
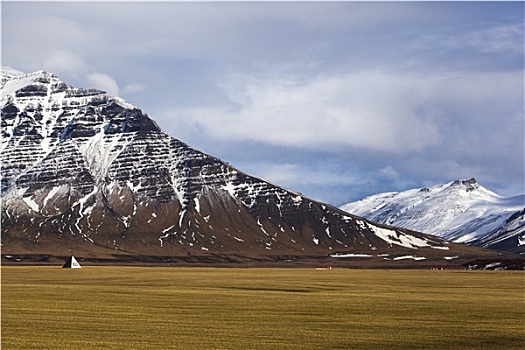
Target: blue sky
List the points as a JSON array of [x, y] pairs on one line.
[[337, 100]]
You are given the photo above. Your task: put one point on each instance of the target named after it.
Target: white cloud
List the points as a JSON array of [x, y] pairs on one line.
[[371, 110], [133, 88], [282, 174], [62, 61], [104, 82], [47, 41], [506, 38]]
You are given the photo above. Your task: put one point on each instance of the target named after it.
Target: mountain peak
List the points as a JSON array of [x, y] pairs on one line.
[[8, 72], [27, 83], [469, 184], [40, 112]]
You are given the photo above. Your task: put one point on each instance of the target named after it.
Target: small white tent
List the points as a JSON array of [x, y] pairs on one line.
[[71, 263]]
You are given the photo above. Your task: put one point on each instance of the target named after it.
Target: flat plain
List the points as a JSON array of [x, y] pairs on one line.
[[102, 307]]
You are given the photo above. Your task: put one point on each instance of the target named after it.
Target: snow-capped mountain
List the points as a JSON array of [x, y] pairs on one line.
[[87, 173], [462, 211]]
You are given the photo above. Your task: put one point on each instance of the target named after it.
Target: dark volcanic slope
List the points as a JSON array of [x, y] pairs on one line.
[[88, 173]]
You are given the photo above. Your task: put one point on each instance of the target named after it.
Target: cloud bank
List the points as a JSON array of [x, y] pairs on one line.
[[337, 100]]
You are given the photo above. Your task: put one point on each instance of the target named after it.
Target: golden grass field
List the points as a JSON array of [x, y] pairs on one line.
[[240, 308]]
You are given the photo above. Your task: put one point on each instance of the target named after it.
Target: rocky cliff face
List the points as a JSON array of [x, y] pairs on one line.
[[88, 173]]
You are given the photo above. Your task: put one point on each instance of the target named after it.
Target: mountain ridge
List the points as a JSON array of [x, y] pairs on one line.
[[91, 174]]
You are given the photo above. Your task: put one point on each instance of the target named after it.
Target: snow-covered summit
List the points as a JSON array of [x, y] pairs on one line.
[[461, 210], [13, 80], [8, 73]]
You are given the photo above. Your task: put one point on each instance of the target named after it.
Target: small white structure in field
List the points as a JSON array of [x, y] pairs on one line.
[[71, 263]]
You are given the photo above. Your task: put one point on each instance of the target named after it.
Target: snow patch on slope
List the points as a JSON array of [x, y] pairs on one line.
[[393, 236]]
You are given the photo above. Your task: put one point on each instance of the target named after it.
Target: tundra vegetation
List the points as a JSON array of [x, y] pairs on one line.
[[100, 307]]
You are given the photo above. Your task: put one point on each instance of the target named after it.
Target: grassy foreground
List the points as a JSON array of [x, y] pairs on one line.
[[206, 308]]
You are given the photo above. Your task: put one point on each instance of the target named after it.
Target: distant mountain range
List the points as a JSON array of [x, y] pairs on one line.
[[89, 174], [462, 211]]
